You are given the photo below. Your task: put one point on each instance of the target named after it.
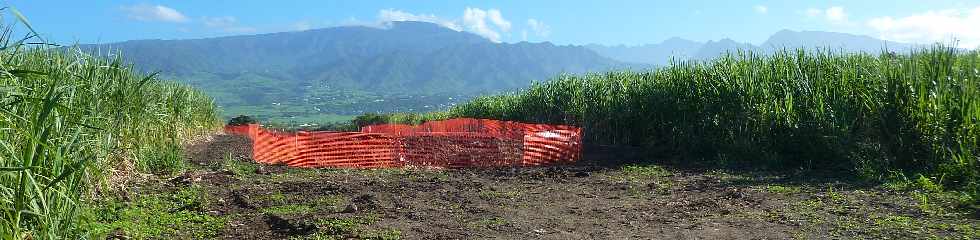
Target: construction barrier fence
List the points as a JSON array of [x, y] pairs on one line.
[[461, 142]]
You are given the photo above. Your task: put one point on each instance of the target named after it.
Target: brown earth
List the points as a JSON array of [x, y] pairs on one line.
[[588, 201]]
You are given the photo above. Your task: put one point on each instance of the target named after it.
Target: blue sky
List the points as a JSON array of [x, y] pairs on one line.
[[561, 22]]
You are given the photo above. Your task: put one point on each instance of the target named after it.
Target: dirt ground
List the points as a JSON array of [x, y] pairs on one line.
[[587, 201]]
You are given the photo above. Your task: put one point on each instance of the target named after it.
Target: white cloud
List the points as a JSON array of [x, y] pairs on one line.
[[836, 14], [488, 23], [761, 9], [539, 27], [475, 20], [392, 15], [497, 19], [160, 13], [932, 26]]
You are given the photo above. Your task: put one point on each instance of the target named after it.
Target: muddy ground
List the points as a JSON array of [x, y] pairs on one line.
[[589, 201]]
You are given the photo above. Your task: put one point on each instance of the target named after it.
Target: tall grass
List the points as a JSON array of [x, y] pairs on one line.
[[879, 114], [67, 119]]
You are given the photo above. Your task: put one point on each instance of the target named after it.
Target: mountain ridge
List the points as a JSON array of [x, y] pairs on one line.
[[300, 69], [657, 53], [343, 69]]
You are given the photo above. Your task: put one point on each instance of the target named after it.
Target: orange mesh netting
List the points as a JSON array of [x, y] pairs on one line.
[[450, 143]]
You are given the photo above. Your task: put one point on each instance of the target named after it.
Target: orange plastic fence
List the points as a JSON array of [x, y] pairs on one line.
[[450, 143]]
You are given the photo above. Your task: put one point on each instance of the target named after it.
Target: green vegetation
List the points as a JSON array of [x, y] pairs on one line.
[[493, 222], [238, 167], [773, 188], [848, 213], [331, 202], [173, 215], [241, 120], [351, 228], [287, 209], [644, 171], [874, 115], [70, 123]]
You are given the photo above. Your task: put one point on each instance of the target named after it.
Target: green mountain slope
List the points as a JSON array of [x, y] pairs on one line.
[[333, 70]]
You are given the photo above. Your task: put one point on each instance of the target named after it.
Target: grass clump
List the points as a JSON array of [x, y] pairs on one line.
[[238, 167], [351, 228], [241, 120], [177, 214], [68, 118], [332, 202], [490, 223], [779, 189], [287, 209]]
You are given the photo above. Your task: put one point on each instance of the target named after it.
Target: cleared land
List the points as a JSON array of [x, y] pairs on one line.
[[227, 196]]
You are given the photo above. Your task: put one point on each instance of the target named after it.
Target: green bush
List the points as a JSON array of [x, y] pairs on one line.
[[241, 120]]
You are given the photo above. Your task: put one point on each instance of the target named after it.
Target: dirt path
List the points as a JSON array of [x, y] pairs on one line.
[[572, 202]]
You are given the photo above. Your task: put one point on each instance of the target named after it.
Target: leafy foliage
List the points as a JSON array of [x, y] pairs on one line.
[[917, 113], [67, 118], [241, 120]]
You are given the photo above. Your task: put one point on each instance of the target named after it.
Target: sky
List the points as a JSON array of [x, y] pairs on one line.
[[610, 22]]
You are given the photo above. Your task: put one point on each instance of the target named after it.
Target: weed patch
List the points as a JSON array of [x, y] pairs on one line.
[[779, 189], [287, 209], [174, 215]]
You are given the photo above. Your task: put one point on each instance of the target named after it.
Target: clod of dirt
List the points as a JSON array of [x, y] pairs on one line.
[[117, 234], [366, 201], [272, 169], [261, 170], [734, 193], [351, 208], [238, 199], [185, 179], [285, 227], [226, 172], [582, 174]]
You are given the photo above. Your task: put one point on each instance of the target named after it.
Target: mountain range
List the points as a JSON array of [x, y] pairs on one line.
[[680, 49], [335, 69], [405, 66]]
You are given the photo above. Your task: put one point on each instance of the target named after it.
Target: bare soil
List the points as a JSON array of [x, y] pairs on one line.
[[586, 201]]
